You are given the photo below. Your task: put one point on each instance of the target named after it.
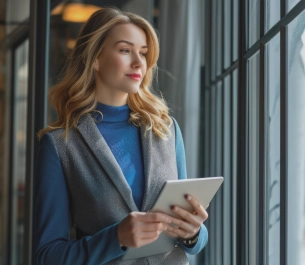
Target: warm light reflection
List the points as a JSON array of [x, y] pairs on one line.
[[78, 12], [70, 43], [58, 9]]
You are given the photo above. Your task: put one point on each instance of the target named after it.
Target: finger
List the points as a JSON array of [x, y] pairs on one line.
[[186, 215], [152, 217], [181, 225], [150, 227], [199, 209], [180, 232], [149, 235]]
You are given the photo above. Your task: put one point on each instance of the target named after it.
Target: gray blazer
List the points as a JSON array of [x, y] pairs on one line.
[[100, 195]]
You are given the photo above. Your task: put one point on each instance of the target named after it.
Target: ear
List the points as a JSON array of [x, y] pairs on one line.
[[96, 65]]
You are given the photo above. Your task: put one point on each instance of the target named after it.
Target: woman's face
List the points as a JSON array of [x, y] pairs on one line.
[[121, 66]]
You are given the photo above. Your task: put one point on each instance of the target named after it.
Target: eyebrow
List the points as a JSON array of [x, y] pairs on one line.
[[129, 43]]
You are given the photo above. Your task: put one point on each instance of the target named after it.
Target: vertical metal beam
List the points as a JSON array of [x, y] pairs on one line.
[[262, 18], [283, 147], [38, 76], [242, 145], [283, 8], [208, 30]]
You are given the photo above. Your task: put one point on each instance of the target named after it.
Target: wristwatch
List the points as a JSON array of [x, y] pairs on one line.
[[190, 241]]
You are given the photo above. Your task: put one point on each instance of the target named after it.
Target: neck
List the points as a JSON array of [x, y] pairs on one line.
[[111, 97]]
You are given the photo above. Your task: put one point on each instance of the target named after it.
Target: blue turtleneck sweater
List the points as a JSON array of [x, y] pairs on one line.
[[52, 210], [124, 140]]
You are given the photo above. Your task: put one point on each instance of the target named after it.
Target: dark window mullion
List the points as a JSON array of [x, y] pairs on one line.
[[283, 8], [37, 102], [262, 18], [223, 36], [208, 26], [242, 147]]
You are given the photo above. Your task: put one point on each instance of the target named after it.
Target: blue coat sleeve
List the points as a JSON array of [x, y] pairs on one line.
[[181, 166], [52, 244]]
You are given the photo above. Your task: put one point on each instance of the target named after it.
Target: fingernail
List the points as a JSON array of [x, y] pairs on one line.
[[174, 208], [188, 197]]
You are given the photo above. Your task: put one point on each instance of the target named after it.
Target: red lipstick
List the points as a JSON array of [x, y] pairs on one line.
[[134, 76]]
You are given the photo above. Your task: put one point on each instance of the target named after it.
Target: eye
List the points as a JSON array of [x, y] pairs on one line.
[[125, 50], [143, 54]]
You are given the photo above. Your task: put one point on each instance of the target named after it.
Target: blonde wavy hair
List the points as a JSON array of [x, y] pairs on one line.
[[75, 96]]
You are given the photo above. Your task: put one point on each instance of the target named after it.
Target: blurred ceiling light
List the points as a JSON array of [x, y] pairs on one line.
[[76, 12], [58, 9]]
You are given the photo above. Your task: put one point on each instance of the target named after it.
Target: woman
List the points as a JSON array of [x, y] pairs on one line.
[[104, 161]]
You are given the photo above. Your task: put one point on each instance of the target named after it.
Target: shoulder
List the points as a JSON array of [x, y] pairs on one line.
[[49, 137], [177, 131]]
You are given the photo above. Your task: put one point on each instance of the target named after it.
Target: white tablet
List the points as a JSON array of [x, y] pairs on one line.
[[172, 193]]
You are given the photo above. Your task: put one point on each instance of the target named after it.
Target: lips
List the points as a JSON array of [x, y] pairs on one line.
[[136, 77]]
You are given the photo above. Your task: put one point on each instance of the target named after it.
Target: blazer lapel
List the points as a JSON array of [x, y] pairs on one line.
[[101, 150], [151, 189]]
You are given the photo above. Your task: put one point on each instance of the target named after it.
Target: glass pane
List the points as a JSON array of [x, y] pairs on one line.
[[272, 14], [273, 147], [219, 66], [19, 152], [253, 22], [17, 13], [65, 23], [253, 152], [227, 33], [234, 164], [291, 3], [235, 30], [227, 140], [296, 142]]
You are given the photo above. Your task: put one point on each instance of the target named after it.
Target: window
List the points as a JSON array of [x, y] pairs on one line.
[[295, 141], [19, 153], [263, 133]]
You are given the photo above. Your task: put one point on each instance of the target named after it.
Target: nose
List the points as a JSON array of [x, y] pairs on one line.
[[137, 61]]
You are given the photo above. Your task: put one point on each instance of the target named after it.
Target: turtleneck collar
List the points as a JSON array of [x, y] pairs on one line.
[[112, 113]]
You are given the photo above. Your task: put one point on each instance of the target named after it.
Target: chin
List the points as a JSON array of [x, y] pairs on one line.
[[133, 90]]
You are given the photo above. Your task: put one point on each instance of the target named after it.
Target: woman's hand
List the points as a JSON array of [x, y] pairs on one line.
[[190, 224], [139, 229]]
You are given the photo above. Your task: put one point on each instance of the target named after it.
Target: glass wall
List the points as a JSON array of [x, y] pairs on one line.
[[272, 13], [19, 153], [273, 137], [219, 126], [296, 140], [267, 174], [253, 75], [14, 60], [253, 20]]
